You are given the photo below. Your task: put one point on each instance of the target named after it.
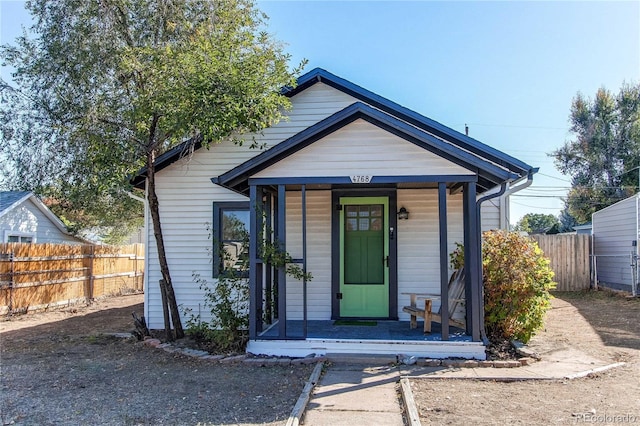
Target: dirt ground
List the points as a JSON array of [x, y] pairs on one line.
[[602, 324], [60, 368]]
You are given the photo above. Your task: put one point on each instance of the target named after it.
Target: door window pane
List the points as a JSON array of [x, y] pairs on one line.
[[352, 211], [367, 218]]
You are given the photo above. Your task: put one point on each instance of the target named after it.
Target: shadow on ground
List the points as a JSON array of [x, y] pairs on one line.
[[72, 324], [65, 369], [612, 315]]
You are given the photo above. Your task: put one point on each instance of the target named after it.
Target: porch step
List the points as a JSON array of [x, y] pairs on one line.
[[375, 359]]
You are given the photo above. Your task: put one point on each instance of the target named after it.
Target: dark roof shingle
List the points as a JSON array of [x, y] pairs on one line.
[[8, 198]]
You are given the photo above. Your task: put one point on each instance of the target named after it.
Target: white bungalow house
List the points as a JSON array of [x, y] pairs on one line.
[[366, 195], [24, 218]]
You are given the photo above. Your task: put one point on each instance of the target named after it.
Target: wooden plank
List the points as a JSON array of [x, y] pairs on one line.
[[413, 416], [53, 274], [570, 260], [298, 410]]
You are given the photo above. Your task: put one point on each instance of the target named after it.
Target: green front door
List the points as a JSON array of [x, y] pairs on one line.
[[364, 257]]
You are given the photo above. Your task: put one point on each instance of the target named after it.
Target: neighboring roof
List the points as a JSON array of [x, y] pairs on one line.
[[489, 173], [12, 199], [615, 205], [442, 133], [585, 226]]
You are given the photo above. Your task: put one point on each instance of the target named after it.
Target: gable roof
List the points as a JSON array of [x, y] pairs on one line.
[[394, 113], [320, 75], [489, 174], [9, 200]]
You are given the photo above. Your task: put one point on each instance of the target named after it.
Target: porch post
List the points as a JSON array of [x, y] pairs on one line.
[[304, 260], [472, 262], [282, 270], [444, 256], [253, 262], [268, 284]]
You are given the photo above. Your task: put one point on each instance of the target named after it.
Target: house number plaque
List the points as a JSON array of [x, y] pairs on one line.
[[361, 179]]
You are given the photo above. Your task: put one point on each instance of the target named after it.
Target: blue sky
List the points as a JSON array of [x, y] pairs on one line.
[[507, 69]]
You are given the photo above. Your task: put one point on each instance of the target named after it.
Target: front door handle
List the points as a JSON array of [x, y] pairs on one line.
[[385, 260]]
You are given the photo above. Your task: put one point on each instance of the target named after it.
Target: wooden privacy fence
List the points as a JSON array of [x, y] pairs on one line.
[[40, 276], [570, 259]]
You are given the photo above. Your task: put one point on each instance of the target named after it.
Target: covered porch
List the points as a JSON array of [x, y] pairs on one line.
[[321, 197], [280, 318]]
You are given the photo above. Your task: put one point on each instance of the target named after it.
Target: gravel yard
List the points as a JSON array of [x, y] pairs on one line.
[[64, 368]]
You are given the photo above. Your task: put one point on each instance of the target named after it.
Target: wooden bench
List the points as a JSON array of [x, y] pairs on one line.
[[416, 312], [456, 298]]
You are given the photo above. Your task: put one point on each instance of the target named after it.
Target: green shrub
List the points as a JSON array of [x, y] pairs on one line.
[[517, 279], [228, 301], [228, 297]]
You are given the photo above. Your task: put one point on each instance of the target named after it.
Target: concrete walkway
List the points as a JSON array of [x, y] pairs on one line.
[[564, 364], [355, 394], [366, 391]]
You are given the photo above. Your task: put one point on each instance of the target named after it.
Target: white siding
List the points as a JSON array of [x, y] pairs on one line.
[[28, 220], [418, 248], [186, 197], [614, 230], [364, 149], [419, 243], [318, 254], [490, 214], [309, 107]]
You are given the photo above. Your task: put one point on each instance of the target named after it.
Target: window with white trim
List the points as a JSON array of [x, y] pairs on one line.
[[19, 238]]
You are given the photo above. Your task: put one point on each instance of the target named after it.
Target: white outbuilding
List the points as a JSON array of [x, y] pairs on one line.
[[616, 237]]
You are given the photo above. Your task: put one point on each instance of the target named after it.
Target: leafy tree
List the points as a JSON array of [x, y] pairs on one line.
[[536, 223], [118, 82], [605, 150], [36, 157], [567, 222]]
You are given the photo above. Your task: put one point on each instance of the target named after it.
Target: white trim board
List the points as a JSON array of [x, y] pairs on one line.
[[433, 349]]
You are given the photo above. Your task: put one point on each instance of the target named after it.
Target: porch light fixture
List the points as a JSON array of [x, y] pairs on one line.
[[403, 214]]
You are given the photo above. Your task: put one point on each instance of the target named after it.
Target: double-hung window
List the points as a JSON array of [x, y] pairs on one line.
[[19, 238], [231, 238]]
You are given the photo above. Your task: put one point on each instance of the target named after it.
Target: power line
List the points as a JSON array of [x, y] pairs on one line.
[[547, 188], [518, 127], [560, 197], [553, 177], [536, 207]]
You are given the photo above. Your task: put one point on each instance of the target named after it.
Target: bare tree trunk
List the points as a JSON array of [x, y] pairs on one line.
[[165, 312], [154, 210]]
